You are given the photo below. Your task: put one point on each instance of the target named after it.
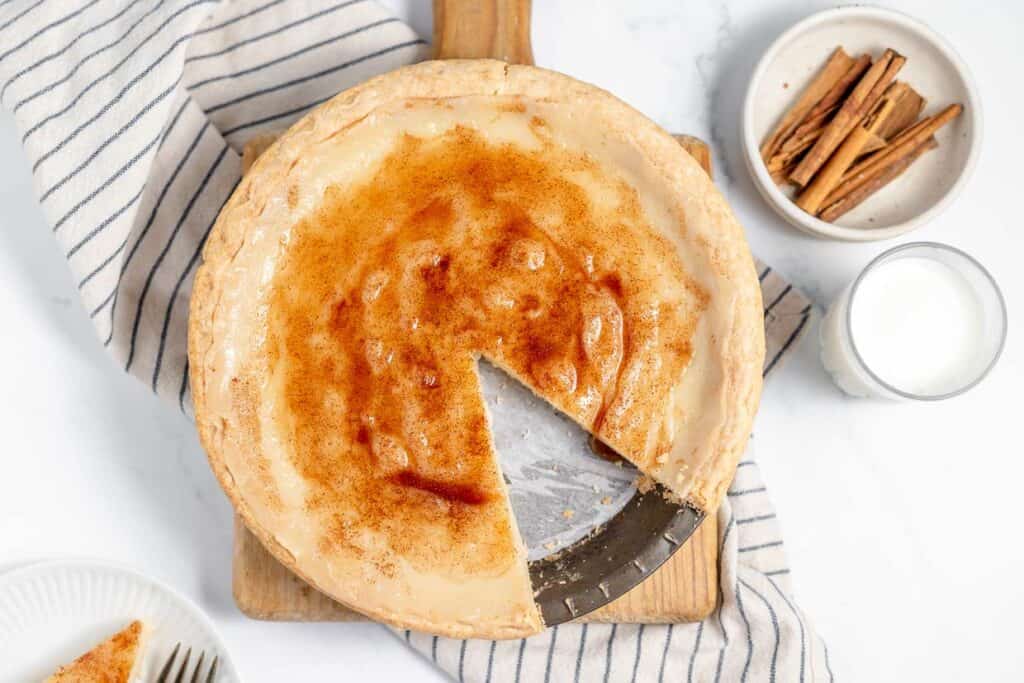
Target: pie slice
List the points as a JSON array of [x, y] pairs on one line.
[[441, 213], [112, 661]]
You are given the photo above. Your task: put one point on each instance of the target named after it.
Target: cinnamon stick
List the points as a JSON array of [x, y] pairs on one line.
[[848, 116], [790, 159], [896, 91], [892, 153], [838, 208], [896, 139], [781, 176], [834, 97], [909, 105], [835, 68], [819, 116], [799, 141], [812, 198], [896, 63], [793, 148], [810, 125], [874, 142]]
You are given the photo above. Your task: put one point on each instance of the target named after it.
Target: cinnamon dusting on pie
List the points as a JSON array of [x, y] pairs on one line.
[[458, 248]]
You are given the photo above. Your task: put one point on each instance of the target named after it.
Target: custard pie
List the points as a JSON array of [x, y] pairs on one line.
[[112, 661], [443, 213]]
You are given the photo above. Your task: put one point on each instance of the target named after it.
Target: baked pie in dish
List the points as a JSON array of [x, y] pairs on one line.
[[441, 213]]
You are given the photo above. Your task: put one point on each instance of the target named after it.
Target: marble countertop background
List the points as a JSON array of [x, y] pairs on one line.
[[899, 519]]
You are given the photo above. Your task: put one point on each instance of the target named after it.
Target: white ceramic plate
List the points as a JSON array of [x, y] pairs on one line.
[[52, 612], [933, 68]]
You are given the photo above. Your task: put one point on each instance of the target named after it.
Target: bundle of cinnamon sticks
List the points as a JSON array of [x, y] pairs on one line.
[[851, 132]]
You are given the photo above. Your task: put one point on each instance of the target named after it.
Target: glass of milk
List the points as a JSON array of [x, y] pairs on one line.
[[923, 321]]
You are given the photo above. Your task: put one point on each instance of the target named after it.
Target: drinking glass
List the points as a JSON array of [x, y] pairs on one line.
[[846, 364]]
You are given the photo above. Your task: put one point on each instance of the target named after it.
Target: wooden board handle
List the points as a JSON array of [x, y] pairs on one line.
[[477, 29], [698, 149]]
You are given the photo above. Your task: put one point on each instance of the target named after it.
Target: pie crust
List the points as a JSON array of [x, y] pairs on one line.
[[439, 213]]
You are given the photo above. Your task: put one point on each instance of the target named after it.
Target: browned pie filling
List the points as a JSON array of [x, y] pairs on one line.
[[458, 248]]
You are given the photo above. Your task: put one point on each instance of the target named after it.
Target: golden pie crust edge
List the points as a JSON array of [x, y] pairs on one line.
[[740, 344]]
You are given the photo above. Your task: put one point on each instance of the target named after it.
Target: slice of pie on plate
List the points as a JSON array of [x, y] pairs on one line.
[[112, 661], [441, 213]]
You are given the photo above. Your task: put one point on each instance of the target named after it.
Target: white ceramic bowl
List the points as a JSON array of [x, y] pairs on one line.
[[933, 68]]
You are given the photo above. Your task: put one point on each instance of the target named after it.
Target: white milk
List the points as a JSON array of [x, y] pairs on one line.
[[917, 324]]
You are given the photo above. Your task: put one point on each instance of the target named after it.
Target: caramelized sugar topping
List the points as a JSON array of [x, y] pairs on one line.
[[457, 247]]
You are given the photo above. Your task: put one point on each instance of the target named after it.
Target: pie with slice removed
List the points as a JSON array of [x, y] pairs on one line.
[[112, 661], [399, 232]]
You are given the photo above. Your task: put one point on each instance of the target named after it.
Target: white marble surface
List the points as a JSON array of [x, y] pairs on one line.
[[900, 519]]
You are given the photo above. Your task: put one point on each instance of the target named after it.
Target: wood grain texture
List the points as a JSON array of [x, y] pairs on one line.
[[266, 589], [698, 149], [685, 588], [475, 29]]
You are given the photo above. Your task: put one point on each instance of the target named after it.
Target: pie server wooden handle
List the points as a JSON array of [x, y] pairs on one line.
[[476, 29]]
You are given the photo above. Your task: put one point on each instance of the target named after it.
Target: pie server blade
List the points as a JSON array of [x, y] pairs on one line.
[[613, 559]]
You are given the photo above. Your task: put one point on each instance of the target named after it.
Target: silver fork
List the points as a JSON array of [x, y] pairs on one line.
[[165, 673]]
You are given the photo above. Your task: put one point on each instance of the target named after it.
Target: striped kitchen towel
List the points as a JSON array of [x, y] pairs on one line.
[[133, 114]]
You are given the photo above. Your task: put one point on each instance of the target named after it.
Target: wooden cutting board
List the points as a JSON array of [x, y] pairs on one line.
[[685, 588]]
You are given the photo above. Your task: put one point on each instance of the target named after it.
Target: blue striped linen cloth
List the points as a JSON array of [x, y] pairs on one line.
[[133, 114]]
